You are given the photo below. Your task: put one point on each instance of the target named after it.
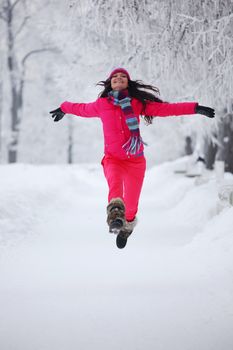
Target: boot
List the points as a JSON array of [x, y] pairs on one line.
[[125, 232], [116, 215]]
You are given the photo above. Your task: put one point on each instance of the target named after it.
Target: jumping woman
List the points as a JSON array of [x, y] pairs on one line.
[[119, 107]]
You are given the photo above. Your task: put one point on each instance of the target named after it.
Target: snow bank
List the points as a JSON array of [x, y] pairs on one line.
[[64, 284]]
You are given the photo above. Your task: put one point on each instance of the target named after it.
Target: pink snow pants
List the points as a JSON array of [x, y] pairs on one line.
[[125, 179]]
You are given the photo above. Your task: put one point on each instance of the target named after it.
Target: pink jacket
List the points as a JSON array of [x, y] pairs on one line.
[[115, 129]]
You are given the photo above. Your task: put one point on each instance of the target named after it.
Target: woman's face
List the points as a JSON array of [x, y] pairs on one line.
[[119, 81]]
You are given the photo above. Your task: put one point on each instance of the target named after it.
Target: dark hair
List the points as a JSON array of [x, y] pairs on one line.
[[137, 89]]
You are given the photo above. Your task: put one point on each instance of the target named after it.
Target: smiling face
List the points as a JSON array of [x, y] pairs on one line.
[[119, 81]]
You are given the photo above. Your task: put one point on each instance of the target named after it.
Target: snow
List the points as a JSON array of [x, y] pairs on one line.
[[65, 285]]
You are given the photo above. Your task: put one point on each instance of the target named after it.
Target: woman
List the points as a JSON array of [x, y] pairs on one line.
[[119, 106]]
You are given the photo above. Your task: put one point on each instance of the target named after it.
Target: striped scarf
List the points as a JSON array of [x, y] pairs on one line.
[[121, 98]]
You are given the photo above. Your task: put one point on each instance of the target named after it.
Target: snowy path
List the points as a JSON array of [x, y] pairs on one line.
[[64, 284]]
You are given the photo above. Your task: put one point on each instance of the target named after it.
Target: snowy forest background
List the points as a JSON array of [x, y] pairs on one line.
[[64, 283], [53, 50]]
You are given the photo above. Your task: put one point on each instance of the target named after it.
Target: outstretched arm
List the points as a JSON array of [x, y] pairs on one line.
[[87, 110], [183, 108], [81, 109]]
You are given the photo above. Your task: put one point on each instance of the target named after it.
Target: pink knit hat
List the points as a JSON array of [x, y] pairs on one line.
[[118, 70]]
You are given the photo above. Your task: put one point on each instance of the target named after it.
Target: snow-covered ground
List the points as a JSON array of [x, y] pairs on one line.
[[65, 285]]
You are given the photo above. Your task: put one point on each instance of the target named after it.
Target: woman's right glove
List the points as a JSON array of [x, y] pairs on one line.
[[207, 111], [57, 114]]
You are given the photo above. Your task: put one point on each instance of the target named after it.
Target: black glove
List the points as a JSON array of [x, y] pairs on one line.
[[207, 111], [57, 114]]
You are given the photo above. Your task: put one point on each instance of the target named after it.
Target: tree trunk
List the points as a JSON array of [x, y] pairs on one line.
[[228, 142], [188, 145], [225, 142], [70, 142], [15, 119], [210, 154], [16, 99]]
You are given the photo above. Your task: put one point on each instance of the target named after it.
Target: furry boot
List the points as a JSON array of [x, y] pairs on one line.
[[116, 215], [125, 232]]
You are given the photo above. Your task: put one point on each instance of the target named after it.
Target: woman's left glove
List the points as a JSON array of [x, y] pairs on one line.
[[207, 111], [57, 114]]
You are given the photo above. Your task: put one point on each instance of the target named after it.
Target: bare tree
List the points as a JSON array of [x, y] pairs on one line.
[[6, 14], [16, 69]]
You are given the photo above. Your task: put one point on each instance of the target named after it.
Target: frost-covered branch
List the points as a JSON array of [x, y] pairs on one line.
[[14, 4], [22, 25], [25, 58], [191, 18], [224, 18]]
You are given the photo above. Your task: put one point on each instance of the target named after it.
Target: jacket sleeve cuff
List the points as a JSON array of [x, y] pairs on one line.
[[66, 107]]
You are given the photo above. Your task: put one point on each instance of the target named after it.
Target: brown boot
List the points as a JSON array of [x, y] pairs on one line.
[[116, 215], [125, 232]]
